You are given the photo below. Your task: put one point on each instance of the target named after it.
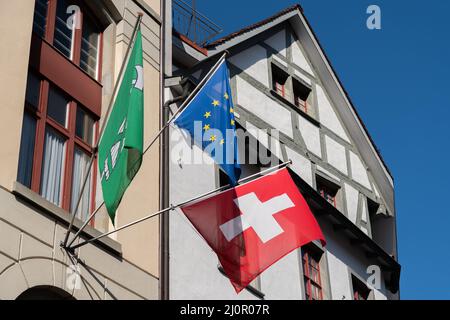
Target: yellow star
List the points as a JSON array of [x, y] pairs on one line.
[[207, 115], [222, 141], [232, 122], [226, 96], [213, 138], [215, 103], [231, 110], [206, 127]]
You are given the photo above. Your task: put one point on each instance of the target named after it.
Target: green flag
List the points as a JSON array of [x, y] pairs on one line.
[[121, 146]]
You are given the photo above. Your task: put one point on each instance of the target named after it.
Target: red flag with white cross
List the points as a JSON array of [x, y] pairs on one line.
[[253, 225]]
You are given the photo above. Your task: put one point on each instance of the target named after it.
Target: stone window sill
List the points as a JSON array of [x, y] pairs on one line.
[[64, 217]]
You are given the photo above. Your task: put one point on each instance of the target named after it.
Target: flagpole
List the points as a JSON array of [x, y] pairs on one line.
[[102, 128], [173, 207], [155, 138]]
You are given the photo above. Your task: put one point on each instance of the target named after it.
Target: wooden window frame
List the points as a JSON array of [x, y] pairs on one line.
[[328, 190], [49, 34], [307, 257], [81, 89], [360, 291], [277, 86]]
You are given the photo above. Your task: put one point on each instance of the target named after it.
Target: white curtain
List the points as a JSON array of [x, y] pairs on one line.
[[53, 167], [27, 150], [80, 167]]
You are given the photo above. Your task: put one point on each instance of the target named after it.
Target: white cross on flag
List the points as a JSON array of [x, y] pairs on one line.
[[254, 225]]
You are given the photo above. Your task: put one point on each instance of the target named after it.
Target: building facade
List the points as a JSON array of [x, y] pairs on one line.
[[59, 62], [59, 70], [290, 102]]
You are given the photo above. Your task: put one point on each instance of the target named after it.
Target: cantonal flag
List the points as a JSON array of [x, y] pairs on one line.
[[254, 225], [121, 146]]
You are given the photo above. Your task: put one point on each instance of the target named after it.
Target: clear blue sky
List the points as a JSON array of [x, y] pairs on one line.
[[398, 78]]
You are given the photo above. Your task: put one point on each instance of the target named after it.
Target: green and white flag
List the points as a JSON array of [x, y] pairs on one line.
[[121, 146]]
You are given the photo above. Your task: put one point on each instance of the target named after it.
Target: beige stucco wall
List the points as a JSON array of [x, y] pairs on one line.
[[16, 19], [30, 254]]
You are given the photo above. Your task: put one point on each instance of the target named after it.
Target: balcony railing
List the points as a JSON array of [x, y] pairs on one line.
[[192, 24]]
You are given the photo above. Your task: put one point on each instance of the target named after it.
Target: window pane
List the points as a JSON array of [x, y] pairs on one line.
[[53, 167], [80, 168], [33, 89], [27, 141], [85, 126], [63, 30], [40, 17], [57, 106], [89, 47]]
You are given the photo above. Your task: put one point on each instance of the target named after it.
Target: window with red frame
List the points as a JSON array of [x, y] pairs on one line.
[[327, 190], [360, 290], [279, 79], [301, 95], [72, 30], [311, 274], [59, 131]]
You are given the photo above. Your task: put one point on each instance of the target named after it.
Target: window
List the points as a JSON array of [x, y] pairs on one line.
[[328, 190], [60, 121], [301, 96], [279, 81], [293, 90], [360, 290], [311, 274], [68, 26], [56, 146], [40, 17]]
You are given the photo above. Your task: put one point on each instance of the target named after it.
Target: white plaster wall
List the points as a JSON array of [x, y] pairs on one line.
[[359, 172], [336, 155], [253, 61], [311, 134], [269, 142], [283, 279], [300, 165], [328, 173], [299, 58], [327, 115], [263, 107], [280, 61], [303, 77], [352, 198], [343, 260], [193, 265], [339, 278], [278, 42]]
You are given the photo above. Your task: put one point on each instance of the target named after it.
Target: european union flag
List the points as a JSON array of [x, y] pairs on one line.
[[209, 119]]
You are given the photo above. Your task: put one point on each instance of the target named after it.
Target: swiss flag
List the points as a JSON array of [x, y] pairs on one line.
[[254, 225]]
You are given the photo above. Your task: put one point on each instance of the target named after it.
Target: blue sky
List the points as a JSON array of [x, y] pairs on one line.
[[398, 79]]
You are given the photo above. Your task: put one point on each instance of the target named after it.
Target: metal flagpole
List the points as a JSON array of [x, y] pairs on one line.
[[155, 138], [102, 128], [179, 205]]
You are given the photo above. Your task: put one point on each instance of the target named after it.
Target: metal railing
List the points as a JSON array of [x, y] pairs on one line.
[[192, 24]]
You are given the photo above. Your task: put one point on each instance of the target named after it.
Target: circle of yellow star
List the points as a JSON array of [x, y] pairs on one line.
[[231, 110], [207, 115], [222, 141], [213, 138], [206, 127], [232, 122], [215, 103], [226, 96]]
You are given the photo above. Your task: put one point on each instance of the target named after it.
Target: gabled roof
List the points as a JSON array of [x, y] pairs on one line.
[[364, 142], [254, 26], [295, 15]]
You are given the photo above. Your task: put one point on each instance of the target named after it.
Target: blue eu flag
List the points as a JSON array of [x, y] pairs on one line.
[[209, 119]]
